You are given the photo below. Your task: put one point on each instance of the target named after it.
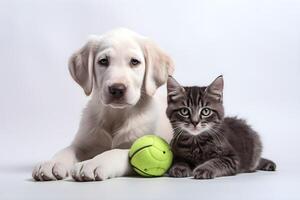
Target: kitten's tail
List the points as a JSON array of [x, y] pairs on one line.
[[266, 165]]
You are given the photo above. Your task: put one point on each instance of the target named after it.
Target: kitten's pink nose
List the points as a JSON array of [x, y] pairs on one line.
[[195, 123]]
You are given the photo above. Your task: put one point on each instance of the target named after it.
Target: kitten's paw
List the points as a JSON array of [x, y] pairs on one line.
[[266, 165], [179, 171], [269, 166], [203, 173]]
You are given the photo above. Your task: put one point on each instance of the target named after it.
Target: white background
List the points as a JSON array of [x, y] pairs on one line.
[[254, 44]]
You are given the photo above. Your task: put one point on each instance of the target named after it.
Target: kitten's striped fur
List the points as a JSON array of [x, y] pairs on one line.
[[205, 144]]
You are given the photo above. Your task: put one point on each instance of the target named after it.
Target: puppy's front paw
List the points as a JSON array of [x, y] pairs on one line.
[[178, 171], [49, 171], [89, 171], [204, 173]]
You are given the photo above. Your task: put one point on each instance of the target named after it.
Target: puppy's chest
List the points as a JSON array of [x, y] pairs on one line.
[[195, 150], [127, 132]]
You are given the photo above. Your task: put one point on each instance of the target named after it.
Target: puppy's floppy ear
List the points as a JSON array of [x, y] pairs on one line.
[[215, 89], [175, 90], [81, 65], [158, 66]]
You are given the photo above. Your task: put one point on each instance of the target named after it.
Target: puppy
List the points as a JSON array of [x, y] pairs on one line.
[[121, 70]]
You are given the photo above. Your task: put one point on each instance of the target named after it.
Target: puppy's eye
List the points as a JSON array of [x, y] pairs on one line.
[[104, 62], [205, 112], [134, 62], [184, 112]]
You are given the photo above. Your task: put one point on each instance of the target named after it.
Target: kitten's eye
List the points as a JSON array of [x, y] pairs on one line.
[[134, 62], [205, 112], [104, 62], [184, 112]]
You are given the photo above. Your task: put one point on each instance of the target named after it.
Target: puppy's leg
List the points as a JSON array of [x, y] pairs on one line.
[[58, 167], [109, 164]]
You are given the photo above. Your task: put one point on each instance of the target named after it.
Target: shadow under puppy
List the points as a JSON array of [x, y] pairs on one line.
[[205, 143]]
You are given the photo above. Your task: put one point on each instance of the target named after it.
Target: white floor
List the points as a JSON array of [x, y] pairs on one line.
[[16, 183], [19, 152]]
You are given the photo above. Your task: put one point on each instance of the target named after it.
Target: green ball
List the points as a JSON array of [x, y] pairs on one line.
[[150, 156]]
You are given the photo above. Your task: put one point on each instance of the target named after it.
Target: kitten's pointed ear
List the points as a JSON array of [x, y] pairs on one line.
[[215, 89], [175, 90]]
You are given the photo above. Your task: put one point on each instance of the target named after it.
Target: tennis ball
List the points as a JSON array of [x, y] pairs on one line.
[[150, 156]]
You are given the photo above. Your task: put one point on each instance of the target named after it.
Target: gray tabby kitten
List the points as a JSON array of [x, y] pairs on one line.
[[205, 144]]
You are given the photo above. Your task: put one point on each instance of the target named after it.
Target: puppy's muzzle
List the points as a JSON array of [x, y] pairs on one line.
[[117, 90]]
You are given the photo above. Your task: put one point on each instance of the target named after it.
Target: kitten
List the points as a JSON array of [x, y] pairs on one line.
[[205, 144]]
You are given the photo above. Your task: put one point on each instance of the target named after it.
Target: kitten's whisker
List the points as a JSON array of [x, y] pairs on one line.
[[215, 134], [176, 129], [178, 135]]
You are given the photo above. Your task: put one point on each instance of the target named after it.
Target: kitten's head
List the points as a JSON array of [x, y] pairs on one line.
[[195, 109]]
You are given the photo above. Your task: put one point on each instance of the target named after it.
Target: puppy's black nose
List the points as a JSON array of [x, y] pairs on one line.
[[117, 90]]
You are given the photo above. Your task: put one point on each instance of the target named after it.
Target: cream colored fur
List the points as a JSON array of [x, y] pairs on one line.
[[107, 129]]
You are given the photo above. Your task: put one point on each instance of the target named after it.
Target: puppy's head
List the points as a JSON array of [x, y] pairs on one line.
[[120, 66]]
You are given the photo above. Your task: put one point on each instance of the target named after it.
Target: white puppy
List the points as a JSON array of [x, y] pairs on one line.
[[121, 70]]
